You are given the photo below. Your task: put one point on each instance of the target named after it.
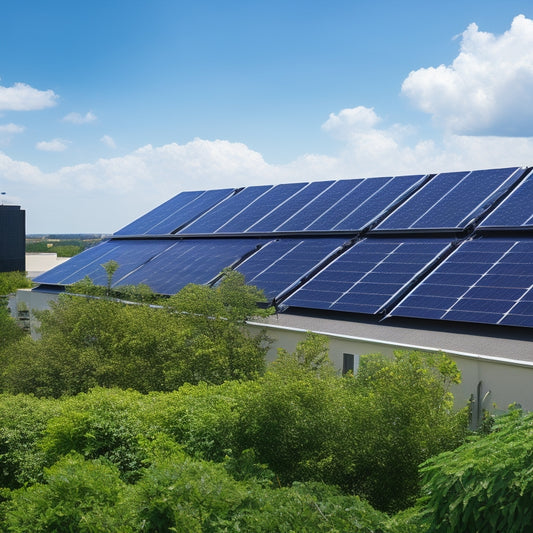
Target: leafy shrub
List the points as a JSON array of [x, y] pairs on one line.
[[77, 496], [306, 508], [486, 484], [23, 421], [177, 493]]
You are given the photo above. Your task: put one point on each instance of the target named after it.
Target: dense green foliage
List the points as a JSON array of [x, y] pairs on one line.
[[63, 246], [10, 332], [11, 281], [485, 485], [197, 335], [114, 460]]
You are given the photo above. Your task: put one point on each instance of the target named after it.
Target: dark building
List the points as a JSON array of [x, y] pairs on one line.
[[12, 238]]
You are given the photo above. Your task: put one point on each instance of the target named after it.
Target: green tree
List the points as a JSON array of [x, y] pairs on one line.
[[199, 335], [486, 484]]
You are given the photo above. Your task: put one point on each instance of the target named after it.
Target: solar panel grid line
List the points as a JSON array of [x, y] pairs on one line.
[[162, 221], [132, 272], [498, 192], [354, 188], [306, 205], [360, 206], [284, 202], [145, 219], [515, 200], [307, 216], [278, 216], [364, 276], [309, 273], [457, 184], [209, 222], [97, 259], [277, 260], [243, 209], [517, 302], [478, 281]]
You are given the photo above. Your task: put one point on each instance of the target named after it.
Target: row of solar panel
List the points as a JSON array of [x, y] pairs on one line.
[[487, 280], [447, 201]]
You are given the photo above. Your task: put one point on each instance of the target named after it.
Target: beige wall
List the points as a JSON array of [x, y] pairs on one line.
[[495, 381]]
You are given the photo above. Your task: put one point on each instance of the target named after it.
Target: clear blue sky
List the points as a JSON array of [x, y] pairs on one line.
[[108, 108]]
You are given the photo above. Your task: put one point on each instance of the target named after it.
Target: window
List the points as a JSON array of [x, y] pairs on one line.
[[348, 363]]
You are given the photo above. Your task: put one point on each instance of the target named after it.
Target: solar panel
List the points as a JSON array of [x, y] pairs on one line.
[[282, 263], [129, 254], [189, 261], [516, 211], [364, 204], [177, 211], [294, 204], [488, 280], [226, 210], [258, 209], [370, 275], [303, 218], [451, 200]]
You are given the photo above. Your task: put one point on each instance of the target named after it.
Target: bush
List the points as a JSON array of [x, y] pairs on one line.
[[77, 496], [485, 485]]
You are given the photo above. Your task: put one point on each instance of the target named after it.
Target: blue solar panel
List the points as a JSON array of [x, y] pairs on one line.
[[190, 261], [369, 276], [190, 212], [516, 211], [129, 254], [451, 200], [225, 211], [152, 218], [497, 288], [294, 204], [303, 218], [384, 196], [174, 213], [263, 206], [282, 263]]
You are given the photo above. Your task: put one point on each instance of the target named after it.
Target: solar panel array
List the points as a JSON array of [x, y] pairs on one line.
[[455, 246]]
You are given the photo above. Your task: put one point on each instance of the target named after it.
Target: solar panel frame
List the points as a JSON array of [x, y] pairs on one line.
[[276, 270], [450, 201], [493, 295], [399, 263], [211, 221], [130, 254], [515, 211], [197, 261]]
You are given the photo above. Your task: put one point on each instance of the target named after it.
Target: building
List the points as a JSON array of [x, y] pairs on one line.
[[12, 238], [434, 262]]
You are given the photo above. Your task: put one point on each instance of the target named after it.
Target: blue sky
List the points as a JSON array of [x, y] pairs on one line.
[[108, 108]]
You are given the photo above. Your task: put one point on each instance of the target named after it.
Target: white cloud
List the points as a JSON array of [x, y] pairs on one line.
[[123, 188], [77, 118], [487, 90], [22, 97], [108, 141], [55, 145], [10, 129]]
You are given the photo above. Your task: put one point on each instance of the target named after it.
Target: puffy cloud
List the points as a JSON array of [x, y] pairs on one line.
[[10, 129], [77, 118], [123, 188], [55, 145], [487, 90], [350, 121], [108, 141], [22, 97]]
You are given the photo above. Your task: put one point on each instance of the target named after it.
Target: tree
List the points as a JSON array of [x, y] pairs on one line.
[[199, 335], [486, 484]]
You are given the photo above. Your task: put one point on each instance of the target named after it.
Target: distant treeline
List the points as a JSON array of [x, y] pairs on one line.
[[62, 245]]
